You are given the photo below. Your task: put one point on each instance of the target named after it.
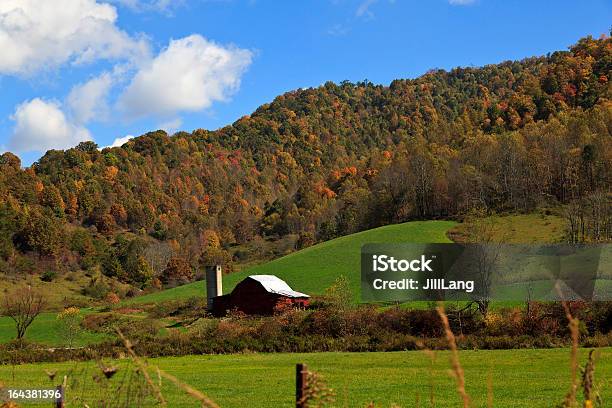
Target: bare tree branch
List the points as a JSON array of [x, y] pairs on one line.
[[23, 305]]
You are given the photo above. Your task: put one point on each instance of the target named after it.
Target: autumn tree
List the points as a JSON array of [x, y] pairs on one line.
[[140, 271], [52, 198], [216, 256], [41, 232], [177, 271], [339, 294]]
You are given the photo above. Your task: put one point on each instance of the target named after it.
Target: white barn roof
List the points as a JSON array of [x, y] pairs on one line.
[[273, 284]]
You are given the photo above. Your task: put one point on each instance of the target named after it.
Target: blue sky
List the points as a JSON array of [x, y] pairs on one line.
[[106, 70]]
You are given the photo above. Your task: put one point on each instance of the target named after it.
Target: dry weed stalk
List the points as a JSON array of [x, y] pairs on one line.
[[143, 368], [316, 393], [205, 401], [589, 389], [6, 404], [457, 369], [573, 325], [570, 398]]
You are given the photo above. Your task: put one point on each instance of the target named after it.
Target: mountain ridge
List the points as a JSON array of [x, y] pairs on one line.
[[318, 163]]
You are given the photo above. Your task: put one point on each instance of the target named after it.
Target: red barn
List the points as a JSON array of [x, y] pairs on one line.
[[259, 295]]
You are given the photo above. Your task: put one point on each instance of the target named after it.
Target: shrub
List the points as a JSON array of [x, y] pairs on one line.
[[97, 289], [494, 324], [112, 298], [360, 328], [424, 323], [48, 276], [339, 295], [602, 317], [139, 329], [101, 322], [192, 307], [76, 302]]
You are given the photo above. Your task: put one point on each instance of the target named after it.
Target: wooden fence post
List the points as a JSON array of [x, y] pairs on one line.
[[59, 402], [301, 383]]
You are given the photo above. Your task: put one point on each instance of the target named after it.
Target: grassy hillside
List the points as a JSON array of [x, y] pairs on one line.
[[313, 269], [56, 291], [518, 229], [46, 330], [534, 378]]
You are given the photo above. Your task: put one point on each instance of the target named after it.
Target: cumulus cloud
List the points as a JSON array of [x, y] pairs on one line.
[[41, 125], [88, 100], [120, 141], [189, 75], [37, 35]]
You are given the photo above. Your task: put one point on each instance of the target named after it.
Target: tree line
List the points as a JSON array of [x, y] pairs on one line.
[[323, 162]]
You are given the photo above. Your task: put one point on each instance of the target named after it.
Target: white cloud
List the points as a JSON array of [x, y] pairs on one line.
[[363, 10], [120, 141], [189, 75], [338, 30], [42, 34], [41, 125], [461, 2], [88, 100], [163, 6], [171, 126]]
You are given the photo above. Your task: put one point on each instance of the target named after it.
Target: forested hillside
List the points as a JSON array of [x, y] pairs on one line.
[[324, 162]]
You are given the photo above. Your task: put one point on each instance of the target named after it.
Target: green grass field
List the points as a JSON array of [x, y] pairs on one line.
[[46, 330], [519, 229], [525, 378], [314, 269]]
